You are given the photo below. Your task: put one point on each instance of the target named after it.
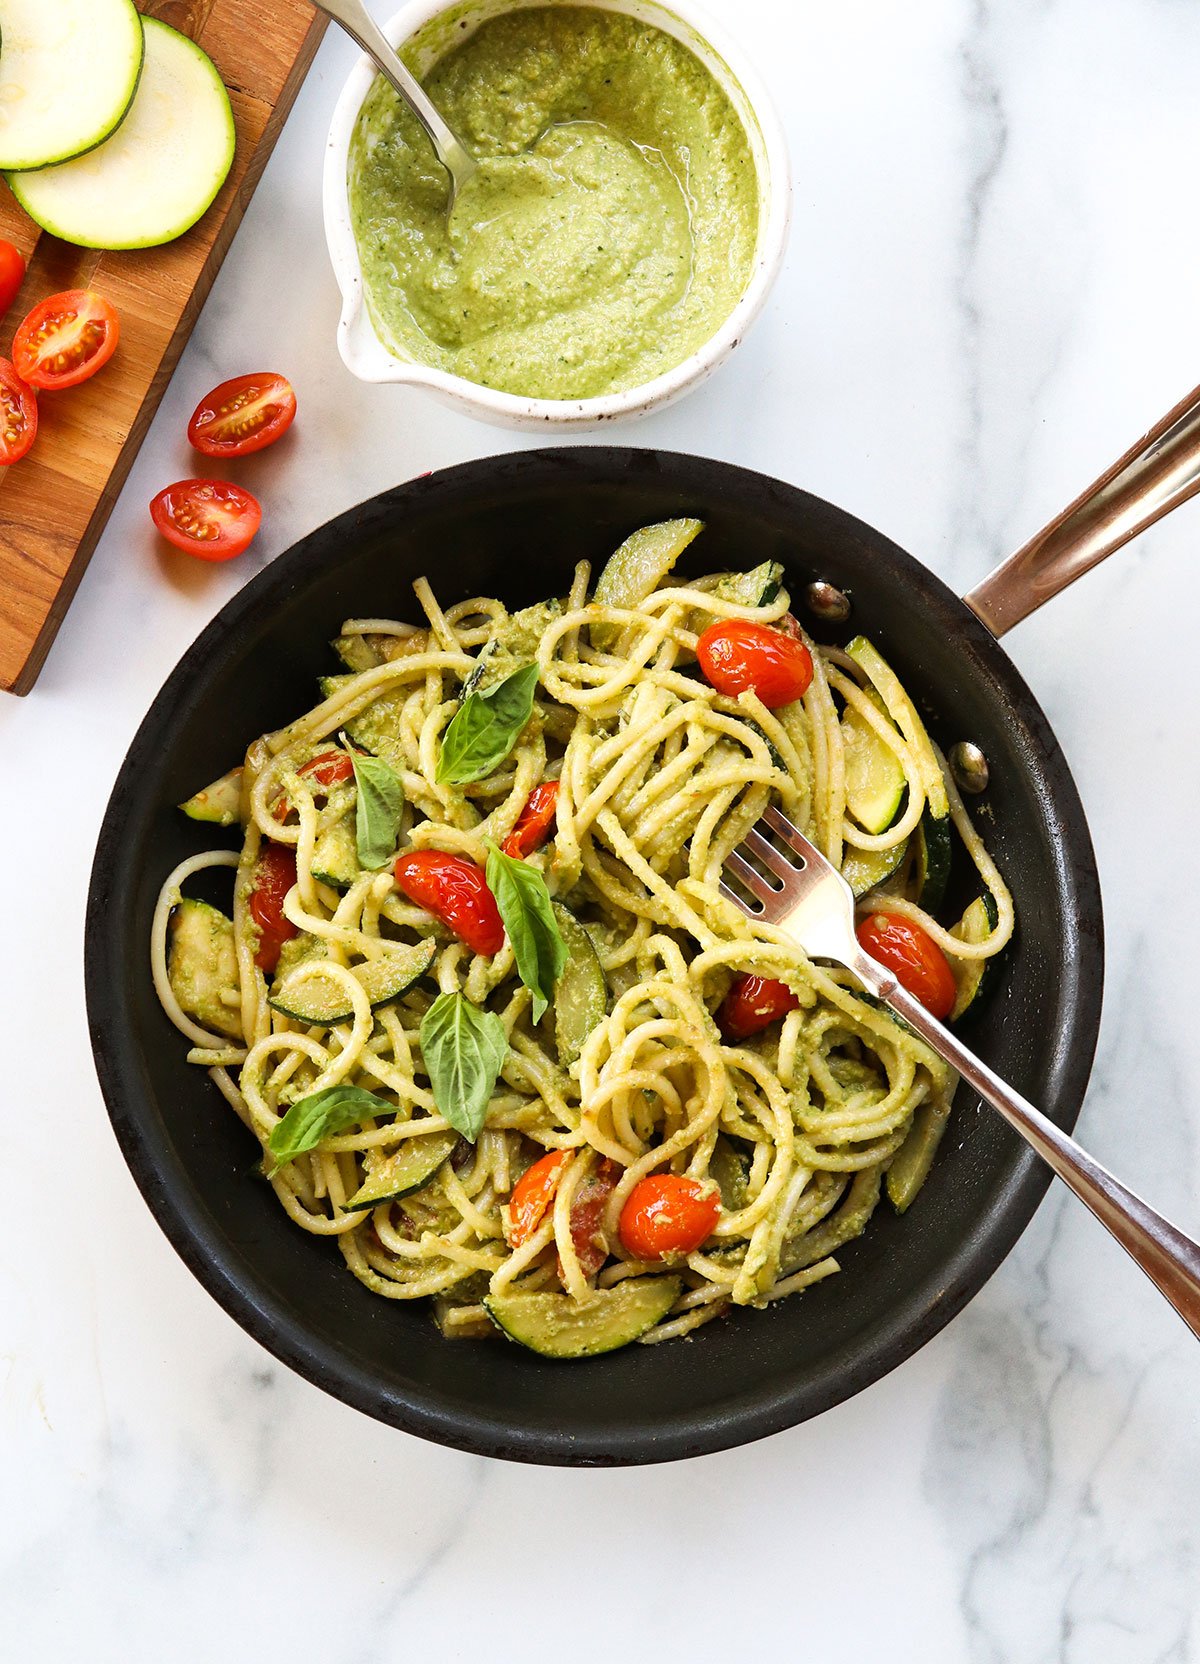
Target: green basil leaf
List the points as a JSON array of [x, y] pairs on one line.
[[524, 903], [485, 728], [464, 1050], [319, 1116], [377, 811]]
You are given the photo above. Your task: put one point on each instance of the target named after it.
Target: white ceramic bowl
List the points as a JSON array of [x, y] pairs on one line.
[[370, 360]]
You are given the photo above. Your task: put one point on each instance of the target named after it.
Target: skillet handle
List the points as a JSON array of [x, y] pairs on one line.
[[1170, 1259], [1157, 474]]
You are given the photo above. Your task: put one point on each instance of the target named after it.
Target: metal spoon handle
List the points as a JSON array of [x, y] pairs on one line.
[[362, 28], [1154, 476], [1170, 1259]]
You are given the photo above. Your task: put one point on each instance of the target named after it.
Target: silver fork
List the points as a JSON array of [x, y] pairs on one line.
[[805, 896]]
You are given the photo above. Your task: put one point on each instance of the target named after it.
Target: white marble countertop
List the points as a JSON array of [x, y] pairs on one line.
[[991, 289]]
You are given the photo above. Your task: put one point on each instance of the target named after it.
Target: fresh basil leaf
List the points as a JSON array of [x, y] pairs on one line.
[[319, 1116], [524, 903], [377, 810], [485, 728], [464, 1049]]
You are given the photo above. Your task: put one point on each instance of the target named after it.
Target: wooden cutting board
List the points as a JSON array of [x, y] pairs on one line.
[[54, 504]]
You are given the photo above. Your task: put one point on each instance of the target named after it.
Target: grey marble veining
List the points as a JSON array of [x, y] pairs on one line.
[[991, 289]]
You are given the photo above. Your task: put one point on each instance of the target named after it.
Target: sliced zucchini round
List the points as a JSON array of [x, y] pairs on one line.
[[875, 781], [865, 869], [976, 978], [220, 803], [407, 1169], [933, 850], [556, 1326], [335, 855], [637, 568], [202, 966], [757, 588], [581, 995], [69, 70], [161, 169], [322, 999]]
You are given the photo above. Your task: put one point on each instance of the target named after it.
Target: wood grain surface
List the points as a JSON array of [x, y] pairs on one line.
[[54, 504]]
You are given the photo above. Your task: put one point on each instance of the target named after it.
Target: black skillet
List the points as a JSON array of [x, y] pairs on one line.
[[514, 526]]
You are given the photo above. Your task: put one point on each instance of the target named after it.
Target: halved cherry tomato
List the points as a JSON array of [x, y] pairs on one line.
[[737, 655], [243, 415], [587, 1217], [66, 339], [274, 874], [535, 823], [210, 519], [12, 275], [532, 1195], [913, 957], [454, 890], [668, 1213], [18, 415], [331, 768], [752, 1004]]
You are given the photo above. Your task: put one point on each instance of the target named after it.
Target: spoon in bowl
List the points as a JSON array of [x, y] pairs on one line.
[[362, 28]]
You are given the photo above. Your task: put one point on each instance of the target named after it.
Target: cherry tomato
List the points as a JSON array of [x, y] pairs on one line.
[[331, 768], [274, 874], [913, 957], [18, 415], [737, 656], [587, 1217], [533, 1194], [243, 415], [207, 518], [12, 275], [752, 1004], [535, 823], [668, 1213], [66, 339], [454, 890]]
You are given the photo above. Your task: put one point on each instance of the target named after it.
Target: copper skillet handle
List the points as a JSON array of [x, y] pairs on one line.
[[1157, 474]]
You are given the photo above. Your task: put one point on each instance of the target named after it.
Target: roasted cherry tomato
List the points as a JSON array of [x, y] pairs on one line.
[[738, 656], [532, 1195], [243, 415], [18, 415], [66, 339], [207, 518], [668, 1213], [752, 1004], [274, 874], [12, 275], [454, 890], [587, 1217], [914, 959], [331, 768], [535, 823]]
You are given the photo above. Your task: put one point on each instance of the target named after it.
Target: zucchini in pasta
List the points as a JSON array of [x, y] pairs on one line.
[[479, 998]]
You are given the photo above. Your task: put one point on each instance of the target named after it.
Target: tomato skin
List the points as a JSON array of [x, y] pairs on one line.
[[12, 274], [532, 1195], [331, 768], [668, 1213], [752, 1004], [739, 656], [915, 960], [66, 339], [274, 874], [210, 519], [587, 1216], [535, 823], [243, 415], [18, 415], [455, 891]]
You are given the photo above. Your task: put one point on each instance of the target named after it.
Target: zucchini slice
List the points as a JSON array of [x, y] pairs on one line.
[[904, 714], [220, 803], [757, 588], [68, 74], [637, 568], [514, 644], [202, 967], [912, 1161], [976, 978], [933, 850], [356, 653], [321, 1000], [407, 1169], [161, 169], [297, 950], [581, 997], [875, 781], [865, 869], [376, 728], [556, 1327], [335, 854], [731, 1169]]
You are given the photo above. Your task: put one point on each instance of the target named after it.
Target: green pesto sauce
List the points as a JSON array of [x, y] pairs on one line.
[[609, 231]]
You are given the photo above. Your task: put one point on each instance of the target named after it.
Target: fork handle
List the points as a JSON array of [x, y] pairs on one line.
[[1170, 1259]]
